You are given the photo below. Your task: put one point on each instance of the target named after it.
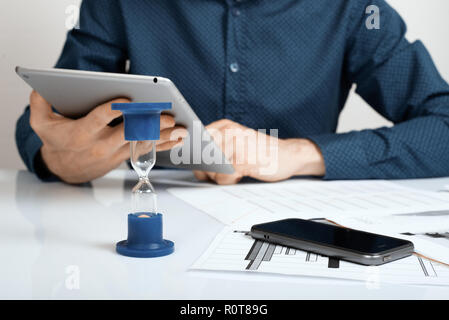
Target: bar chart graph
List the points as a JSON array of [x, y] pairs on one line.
[[263, 251], [235, 251]]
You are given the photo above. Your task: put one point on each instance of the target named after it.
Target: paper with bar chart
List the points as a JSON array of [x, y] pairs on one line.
[[377, 206], [234, 251]]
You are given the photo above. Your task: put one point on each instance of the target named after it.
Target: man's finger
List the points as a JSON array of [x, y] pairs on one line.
[[170, 145], [228, 179], [219, 124], [116, 159], [102, 115], [173, 134], [167, 121], [121, 155], [40, 109], [211, 175], [200, 175], [115, 137]]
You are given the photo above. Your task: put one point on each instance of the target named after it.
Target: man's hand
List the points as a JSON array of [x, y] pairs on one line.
[[79, 151], [260, 156]]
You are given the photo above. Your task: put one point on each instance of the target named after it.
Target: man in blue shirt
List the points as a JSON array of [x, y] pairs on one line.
[[284, 64]]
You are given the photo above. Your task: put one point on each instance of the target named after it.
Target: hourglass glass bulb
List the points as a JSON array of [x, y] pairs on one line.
[[143, 159]]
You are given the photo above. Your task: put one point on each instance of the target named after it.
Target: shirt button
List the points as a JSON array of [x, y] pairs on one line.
[[234, 67], [236, 12]]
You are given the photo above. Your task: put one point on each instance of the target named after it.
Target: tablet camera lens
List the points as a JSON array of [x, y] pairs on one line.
[[155, 80]]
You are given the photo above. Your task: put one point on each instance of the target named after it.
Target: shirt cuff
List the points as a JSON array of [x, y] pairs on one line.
[[344, 155]]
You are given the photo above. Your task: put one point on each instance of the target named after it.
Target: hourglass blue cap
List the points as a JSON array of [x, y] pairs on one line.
[[142, 120]]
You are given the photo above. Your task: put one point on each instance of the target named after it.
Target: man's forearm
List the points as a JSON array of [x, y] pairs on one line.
[[307, 158]]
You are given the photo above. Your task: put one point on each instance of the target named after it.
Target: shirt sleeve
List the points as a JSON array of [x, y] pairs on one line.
[[97, 45], [400, 81]]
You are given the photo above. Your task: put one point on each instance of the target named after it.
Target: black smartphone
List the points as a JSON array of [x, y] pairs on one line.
[[333, 241]]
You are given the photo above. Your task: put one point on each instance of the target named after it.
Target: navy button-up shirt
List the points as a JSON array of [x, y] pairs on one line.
[[284, 64]]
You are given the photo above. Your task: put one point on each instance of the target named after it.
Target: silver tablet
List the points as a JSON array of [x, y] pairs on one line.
[[74, 93]]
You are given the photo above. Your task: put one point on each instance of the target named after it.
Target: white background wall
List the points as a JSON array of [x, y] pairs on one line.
[[32, 33]]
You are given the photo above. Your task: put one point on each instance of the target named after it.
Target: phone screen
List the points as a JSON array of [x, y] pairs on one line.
[[329, 235]]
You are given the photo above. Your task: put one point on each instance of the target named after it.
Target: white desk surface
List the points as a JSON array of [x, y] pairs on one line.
[[46, 228]]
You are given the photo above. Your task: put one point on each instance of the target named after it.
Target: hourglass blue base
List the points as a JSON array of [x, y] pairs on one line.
[[145, 237]]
